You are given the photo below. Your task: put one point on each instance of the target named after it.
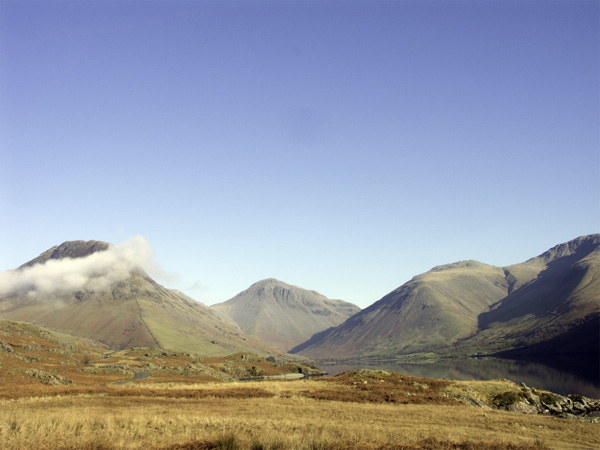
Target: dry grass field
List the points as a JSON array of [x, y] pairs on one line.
[[271, 415], [59, 396]]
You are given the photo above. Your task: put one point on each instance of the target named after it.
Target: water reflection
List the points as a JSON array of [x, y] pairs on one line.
[[570, 378]]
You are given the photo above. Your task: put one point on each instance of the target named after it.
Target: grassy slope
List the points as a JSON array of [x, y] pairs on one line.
[[190, 327], [25, 347], [431, 311]]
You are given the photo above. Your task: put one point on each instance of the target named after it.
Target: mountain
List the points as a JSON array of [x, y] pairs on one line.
[[70, 249], [284, 315], [470, 307], [95, 290]]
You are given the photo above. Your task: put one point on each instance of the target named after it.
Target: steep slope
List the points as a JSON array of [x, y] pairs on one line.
[[471, 307], [431, 311], [284, 315], [101, 297]]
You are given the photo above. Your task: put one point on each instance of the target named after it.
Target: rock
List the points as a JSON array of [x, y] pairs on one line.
[[6, 347], [533, 399], [554, 409], [468, 400], [48, 378], [579, 408], [523, 407]]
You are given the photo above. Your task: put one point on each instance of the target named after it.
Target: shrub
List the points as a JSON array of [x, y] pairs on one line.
[[548, 398]]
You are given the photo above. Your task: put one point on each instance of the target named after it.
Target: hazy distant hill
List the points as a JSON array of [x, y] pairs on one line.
[[284, 315], [82, 289], [470, 307]]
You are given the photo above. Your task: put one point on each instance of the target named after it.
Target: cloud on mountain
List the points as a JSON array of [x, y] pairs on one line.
[[93, 272]]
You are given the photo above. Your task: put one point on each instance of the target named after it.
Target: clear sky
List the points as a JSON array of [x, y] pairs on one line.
[[341, 146]]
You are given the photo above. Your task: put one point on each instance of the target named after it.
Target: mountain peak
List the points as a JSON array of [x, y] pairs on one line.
[[69, 249], [268, 282], [284, 315], [459, 265], [580, 247]]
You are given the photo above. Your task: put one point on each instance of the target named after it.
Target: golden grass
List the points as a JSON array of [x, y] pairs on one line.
[[383, 387], [268, 415], [182, 406]]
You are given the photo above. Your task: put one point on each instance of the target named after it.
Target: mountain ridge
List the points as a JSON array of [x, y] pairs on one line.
[[468, 307]]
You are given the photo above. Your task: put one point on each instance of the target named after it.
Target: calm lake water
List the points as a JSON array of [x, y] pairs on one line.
[[561, 376]]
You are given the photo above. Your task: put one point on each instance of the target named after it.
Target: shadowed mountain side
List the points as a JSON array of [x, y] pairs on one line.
[[576, 350], [134, 311], [284, 315], [470, 307], [583, 338], [563, 294]]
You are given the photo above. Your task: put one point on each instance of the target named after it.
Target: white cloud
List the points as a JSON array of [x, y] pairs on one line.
[[96, 271]]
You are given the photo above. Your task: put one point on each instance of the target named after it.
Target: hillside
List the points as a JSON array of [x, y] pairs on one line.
[[97, 291], [34, 357], [283, 315], [471, 307]]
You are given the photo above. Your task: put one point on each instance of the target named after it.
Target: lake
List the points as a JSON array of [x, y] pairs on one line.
[[559, 375]]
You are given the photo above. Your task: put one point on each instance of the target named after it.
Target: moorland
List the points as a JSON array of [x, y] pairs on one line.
[[59, 394]]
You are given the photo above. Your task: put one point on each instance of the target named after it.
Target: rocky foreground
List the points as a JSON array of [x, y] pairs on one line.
[[532, 401], [389, 387]]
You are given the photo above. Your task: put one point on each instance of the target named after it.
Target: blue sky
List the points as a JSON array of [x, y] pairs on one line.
[[341, 146]]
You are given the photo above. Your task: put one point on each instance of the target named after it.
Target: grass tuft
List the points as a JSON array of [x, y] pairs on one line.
[[228, 442]]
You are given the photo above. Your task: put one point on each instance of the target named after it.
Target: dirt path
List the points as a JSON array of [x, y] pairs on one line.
[[136, 376], [285, 376]]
